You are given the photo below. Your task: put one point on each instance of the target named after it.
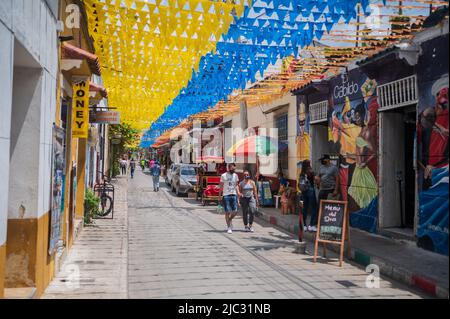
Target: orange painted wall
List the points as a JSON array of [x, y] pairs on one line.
[[2, 270], [27, 261]]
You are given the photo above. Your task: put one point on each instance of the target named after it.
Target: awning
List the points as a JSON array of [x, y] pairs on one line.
[[69, 51], [99, 89]]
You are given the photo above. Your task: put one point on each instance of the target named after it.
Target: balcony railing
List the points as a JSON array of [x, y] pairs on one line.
[[398, 93]]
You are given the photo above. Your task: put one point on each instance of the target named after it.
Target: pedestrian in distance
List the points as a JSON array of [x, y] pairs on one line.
[[155, 172], [308, 196], [327, 179], [249, 200], [132, 167], [143, 164], [229, 193], [123, 166]]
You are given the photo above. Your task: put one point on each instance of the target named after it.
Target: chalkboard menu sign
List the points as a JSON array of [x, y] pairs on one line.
[[333, 227], [332, 220]]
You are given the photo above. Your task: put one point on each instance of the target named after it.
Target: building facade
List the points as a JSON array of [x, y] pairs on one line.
[[46, 169], [280, 114], [385, 121], [28, 71]]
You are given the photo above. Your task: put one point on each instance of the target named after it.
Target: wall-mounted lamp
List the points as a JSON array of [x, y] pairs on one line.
[[65, 39]]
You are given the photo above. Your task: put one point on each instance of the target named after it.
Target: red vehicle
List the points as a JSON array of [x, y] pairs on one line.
[[209, 188]]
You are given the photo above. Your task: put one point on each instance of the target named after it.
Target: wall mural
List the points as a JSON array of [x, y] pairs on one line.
[[353, 136], [303, 137], [432, 145]]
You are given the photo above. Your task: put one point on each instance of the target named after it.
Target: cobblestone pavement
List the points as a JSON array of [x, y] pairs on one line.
[[179, 249]]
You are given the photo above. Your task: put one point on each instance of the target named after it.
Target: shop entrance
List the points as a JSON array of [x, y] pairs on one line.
[[319, 143], [397, 187]]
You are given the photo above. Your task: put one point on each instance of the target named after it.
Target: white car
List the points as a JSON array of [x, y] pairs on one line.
[[170, 171], [184, 179]]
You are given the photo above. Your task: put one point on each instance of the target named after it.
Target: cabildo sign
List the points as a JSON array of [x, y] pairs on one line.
[[346, 88]]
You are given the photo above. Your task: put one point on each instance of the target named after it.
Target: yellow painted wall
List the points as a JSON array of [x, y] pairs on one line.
[[45, 263], [81, 177], [21, 246], [27, 261], [2, 270]]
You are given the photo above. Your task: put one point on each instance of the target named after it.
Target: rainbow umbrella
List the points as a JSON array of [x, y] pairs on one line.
[[254, 145]]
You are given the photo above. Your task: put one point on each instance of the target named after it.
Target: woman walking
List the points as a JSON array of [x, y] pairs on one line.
[[308, 196], [249, 200]]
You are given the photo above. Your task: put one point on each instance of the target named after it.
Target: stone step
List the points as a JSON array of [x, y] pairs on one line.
[[20, 293]]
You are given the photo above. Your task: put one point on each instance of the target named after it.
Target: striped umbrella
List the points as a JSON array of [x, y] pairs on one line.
[[254, 145]]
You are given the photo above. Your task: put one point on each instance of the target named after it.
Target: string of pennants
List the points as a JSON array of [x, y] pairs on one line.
[[269, 30], [165, 60], [303, 69], [148, 49]]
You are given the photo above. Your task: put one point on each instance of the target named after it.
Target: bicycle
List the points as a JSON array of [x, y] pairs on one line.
[[106, 205]]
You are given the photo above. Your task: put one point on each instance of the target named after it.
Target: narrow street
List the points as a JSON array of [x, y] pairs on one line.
[[175, 248]]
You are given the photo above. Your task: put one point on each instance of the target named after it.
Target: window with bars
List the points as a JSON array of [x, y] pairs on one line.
[[318, 112], [281, 122]]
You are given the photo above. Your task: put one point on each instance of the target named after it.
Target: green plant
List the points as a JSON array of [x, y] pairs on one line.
[[115, 170], [91, 204]]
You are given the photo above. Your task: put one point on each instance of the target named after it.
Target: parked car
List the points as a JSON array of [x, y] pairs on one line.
[[184, 179], [170, 172]]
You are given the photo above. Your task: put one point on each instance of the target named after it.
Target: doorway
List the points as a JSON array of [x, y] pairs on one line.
[[397, 186], [319, 143], [410, 176]]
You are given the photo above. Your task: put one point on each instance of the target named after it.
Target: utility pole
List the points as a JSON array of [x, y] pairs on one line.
[[243, 114], [358, 19]]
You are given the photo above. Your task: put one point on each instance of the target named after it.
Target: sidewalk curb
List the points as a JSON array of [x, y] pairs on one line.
[[364, 259]]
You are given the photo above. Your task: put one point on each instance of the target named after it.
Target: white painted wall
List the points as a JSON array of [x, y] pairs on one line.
[[33, 24], [6, 74], [25, 135], [48, 110]]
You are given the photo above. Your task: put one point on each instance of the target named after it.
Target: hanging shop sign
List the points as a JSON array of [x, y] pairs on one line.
[[80, 110], [333, 227], [105, 117]]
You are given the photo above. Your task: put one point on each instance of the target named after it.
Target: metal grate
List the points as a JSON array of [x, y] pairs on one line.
[[398, 93], [318, 112]]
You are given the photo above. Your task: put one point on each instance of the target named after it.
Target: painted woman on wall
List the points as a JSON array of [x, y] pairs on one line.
[[303, 140], [363, 187]]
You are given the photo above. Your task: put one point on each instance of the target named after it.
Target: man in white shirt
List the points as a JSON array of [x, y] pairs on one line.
[[229, 192]]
